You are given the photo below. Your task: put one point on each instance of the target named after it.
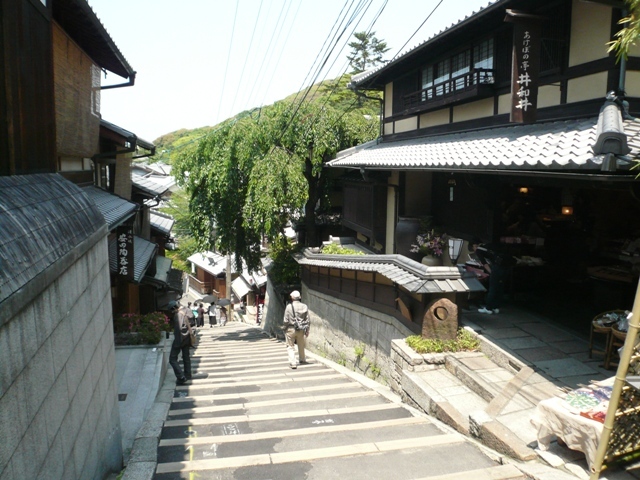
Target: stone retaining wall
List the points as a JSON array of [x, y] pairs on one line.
[[354, 336], [58, 399]]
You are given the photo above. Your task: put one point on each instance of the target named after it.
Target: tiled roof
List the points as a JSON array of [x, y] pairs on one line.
[[166, 277], [240, 287], [113, 208], [559, 145], [212, 262], [143, 253], [411, 275], [491, 5], [148, 186], [161, 222], [43, 218]]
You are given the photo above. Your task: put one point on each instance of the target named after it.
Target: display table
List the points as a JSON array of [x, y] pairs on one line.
[[557, 418]]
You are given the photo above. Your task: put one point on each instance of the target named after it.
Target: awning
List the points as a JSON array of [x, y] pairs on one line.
[[143, 253], [561, 146], [212, 262], [115, 210], [161, 222], [240, 287], [149, 187], [163, 266]]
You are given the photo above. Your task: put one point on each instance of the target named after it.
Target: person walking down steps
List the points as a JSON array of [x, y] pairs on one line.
[[296, 325], [181, 344]]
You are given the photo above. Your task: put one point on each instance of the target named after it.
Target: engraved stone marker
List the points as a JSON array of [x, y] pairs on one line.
[[441, 320]]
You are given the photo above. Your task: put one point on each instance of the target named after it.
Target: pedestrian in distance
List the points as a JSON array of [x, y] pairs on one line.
[[495, 264], [181, 342], [296, 328], [211, 311], [223, 316], [190, 315], [200, 311]]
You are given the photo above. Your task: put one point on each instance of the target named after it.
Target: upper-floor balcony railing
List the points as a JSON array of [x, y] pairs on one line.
[[457, 88]]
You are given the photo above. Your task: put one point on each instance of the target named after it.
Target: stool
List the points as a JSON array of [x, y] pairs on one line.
[[616, 340], [597, 329]]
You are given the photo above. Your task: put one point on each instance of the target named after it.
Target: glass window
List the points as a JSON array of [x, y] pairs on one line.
[[443, 73], [427, 81], [483, 59], [461, 64]]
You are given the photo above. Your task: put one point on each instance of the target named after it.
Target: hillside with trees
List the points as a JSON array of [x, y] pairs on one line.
[[247, 177]]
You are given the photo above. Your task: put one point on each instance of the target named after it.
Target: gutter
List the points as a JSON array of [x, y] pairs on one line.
[[130, 83]]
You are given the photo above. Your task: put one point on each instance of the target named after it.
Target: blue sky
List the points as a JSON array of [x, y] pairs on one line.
[[199, 62]]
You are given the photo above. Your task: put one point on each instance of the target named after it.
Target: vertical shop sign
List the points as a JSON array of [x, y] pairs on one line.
[[525, 66], [124, 251]]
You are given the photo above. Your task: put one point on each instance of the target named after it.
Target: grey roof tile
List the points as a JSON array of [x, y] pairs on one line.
[[413, 276], [559, 145], [161, 222], [43, 217], [113, 208]]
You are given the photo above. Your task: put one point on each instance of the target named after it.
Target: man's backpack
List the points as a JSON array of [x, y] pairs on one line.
[[184, 329], [300, 323]]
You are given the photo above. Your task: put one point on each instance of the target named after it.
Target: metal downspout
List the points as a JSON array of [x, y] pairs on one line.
[[130, 83]]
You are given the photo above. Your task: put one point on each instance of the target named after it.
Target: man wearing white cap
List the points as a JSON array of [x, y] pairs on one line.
[[296, 328]]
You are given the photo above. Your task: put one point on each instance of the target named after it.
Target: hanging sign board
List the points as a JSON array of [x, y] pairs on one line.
[[525, 65], [124, 251]]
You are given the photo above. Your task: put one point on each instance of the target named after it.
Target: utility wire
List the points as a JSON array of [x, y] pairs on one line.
[[277, 29], [226, 70], [246, 58], [275, 66]]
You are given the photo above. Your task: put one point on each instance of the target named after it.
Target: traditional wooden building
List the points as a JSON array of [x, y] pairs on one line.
[[498, 128]]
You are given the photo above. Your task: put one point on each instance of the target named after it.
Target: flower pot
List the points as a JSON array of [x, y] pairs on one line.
[[432, 261]]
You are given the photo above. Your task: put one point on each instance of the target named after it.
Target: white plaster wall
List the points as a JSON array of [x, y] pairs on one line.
[[504, 103], [632, 84], [406, 125], [431, 119], [473, 110], [388, 99], [587, 87], [388, 128], [548, 96], [590, 31], [58, 400]]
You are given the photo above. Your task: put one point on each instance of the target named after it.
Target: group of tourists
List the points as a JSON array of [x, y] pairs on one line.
[[186, 320], [197, 311]]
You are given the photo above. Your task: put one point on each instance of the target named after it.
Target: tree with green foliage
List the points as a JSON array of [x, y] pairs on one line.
[[250, 176], [366, 51], [626, 37]]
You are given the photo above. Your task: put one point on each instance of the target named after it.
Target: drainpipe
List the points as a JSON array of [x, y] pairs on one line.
[[623, 63], [130, 83]]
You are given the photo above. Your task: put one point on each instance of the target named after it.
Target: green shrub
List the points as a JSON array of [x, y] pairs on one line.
[[359, 350], [136, 329], [335, 249], [464, 342]]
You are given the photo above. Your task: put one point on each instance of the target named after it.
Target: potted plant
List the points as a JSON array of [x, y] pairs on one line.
[[431, 246], [136, 329]]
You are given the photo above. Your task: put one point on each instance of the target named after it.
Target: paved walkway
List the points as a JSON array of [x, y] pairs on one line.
[[243, 415], [253, 417]]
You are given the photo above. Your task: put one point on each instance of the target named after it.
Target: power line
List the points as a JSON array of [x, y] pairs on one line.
[[246, 58], [226, 70]]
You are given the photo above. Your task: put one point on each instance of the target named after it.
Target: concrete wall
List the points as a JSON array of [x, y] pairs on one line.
[[58, 400], [340, 329]]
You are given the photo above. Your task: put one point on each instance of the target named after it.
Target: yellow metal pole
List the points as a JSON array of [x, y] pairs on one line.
[[621, 375]]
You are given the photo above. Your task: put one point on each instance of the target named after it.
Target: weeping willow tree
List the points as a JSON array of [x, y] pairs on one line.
[[250, 176]]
